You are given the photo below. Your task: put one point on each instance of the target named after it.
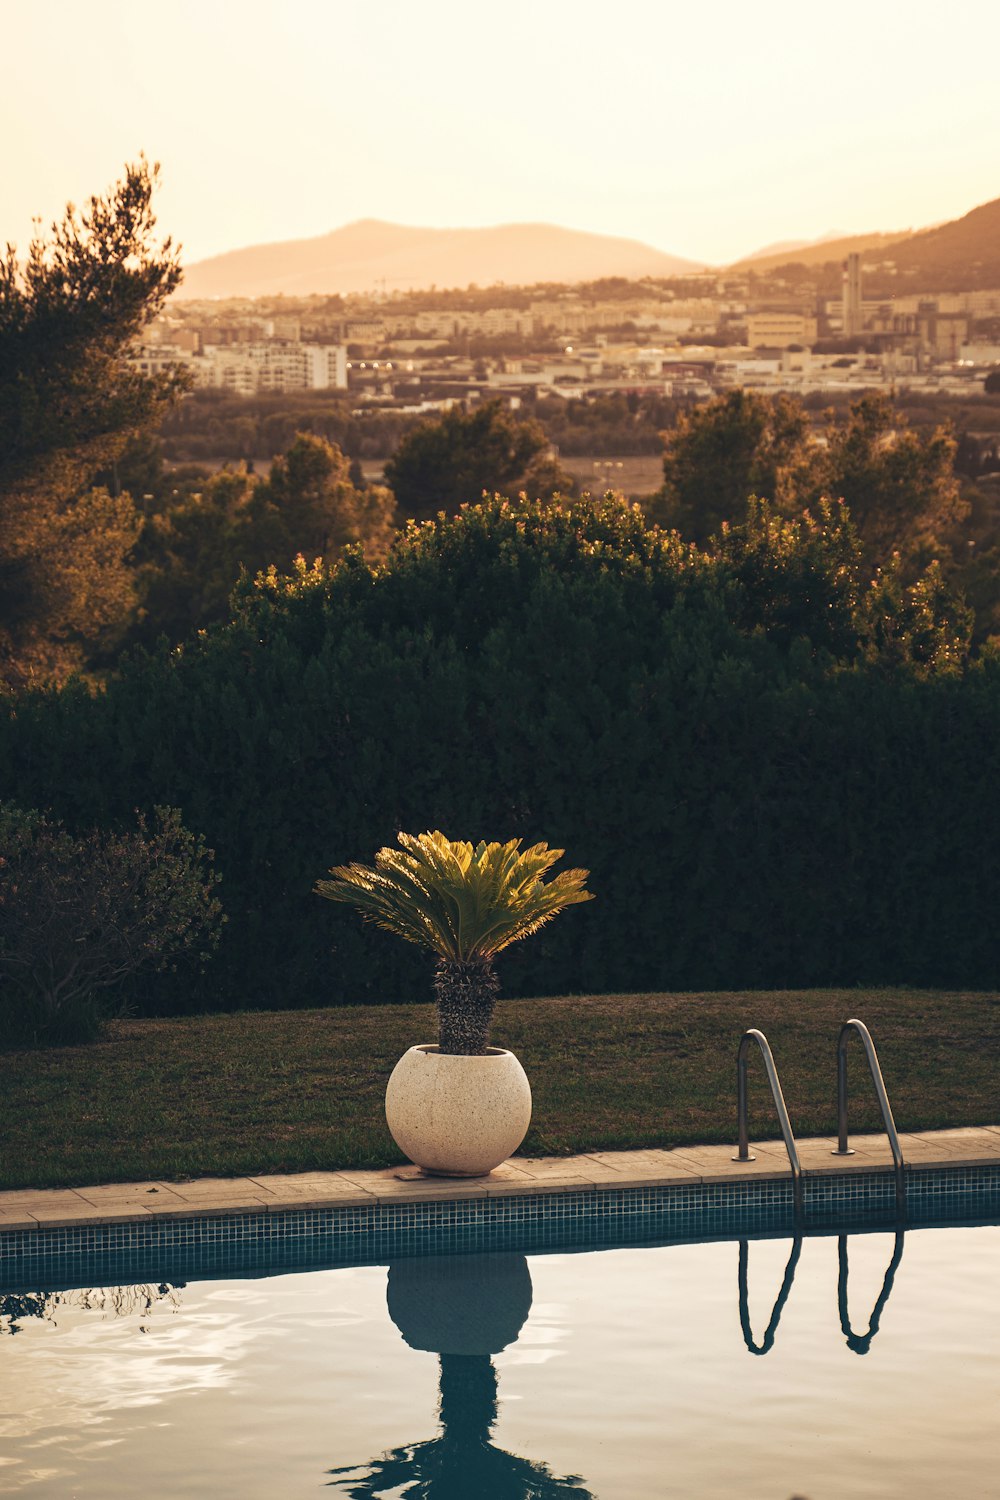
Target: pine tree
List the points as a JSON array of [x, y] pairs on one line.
[[69, 401]]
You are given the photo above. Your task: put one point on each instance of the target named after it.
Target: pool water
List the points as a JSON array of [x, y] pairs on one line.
[[703, 1370]]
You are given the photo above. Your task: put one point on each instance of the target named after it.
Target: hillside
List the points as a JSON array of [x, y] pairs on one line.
[[360, 256], [962, 254], [821, 252]]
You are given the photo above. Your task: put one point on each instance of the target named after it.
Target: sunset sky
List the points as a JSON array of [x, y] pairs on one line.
[[707, 131]]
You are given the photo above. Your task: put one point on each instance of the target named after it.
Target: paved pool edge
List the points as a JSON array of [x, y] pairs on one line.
[[255, 1225], [27, 1209]]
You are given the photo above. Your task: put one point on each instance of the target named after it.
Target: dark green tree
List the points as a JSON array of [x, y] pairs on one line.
[[898, 484], [69, 401], [451, 460], [189, 556], [193, 549], [795, 579], [803, 579], [545, 479], [719, 455], [318, 510]]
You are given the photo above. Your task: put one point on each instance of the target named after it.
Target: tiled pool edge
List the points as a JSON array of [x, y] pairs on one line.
[[256, 1241]]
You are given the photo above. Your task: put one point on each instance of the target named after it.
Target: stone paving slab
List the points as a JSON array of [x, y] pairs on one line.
[[30, 1208]]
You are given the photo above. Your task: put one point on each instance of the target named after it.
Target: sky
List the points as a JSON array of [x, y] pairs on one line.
[[705, 130]]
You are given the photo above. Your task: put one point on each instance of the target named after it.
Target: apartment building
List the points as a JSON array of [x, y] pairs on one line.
[[779, 330], [246, 369]]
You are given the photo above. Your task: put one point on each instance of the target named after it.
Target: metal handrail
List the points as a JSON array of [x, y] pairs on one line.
[[743, 1154], [883, 1100], [779, 1306]]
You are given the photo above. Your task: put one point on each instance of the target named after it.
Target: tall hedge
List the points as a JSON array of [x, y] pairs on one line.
[[753, 810]]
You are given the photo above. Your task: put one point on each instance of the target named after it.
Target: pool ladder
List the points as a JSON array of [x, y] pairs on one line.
[[743, 1144]]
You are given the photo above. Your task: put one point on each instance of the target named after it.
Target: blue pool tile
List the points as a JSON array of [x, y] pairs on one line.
[[268, 1240]]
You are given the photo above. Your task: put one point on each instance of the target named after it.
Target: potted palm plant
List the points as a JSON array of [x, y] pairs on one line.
[[459, 1107]]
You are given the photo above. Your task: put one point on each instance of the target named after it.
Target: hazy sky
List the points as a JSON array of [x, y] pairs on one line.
[[706, 130]]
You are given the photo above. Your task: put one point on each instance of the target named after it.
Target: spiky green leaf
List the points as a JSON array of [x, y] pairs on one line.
[[465, 903]]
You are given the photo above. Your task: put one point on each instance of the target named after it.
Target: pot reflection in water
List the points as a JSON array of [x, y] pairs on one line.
[[465, 1309]]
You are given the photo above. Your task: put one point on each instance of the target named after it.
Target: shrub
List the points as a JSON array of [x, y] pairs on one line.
[[763, 796], [80, 916]]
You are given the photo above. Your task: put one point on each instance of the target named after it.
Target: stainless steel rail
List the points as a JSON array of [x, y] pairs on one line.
[[743, 1154], [883, 1101]]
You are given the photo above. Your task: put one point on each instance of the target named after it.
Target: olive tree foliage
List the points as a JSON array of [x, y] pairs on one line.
[[898, 484], [803, 578], [191, 552], [719, 455], [79, 916], [69, 401], [449, 461], [188, 557], [319, 510]]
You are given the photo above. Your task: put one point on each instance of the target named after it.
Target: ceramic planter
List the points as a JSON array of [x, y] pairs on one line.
[[458, 1116]]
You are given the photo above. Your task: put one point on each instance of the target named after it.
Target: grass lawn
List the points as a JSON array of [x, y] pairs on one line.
[[297, 1090]]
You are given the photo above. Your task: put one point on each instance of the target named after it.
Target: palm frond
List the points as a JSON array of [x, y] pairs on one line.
[[463, 902]]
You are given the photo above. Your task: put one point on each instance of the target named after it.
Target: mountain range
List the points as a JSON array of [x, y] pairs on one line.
[[371, 255]]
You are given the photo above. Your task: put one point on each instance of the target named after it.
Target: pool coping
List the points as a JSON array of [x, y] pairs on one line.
[[521, 1177]]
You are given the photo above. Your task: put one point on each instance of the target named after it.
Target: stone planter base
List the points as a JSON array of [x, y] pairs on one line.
[[458, 1116]]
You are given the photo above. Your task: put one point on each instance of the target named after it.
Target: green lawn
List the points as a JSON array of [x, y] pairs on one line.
[[298, 1090]]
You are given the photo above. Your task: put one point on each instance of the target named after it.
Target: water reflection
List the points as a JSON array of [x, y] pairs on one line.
[[860, 1343], [465, 1309], [786, 1287], [111, 1301]]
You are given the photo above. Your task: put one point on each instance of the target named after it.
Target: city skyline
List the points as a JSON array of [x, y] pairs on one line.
[[704, 135]]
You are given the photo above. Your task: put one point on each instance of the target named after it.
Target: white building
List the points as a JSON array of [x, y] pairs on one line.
[[246, 369]]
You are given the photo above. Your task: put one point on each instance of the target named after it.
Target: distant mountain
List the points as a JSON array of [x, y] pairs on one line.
[[819, 252], [787, 248], [362, 256], [961, 255]]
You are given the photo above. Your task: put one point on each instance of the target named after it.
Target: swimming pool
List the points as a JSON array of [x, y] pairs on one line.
[[750, 1367]]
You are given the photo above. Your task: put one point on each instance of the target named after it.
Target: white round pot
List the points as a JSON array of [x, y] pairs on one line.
[[458, 1116]]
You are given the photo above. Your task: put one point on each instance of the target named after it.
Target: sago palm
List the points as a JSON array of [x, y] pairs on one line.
[[466, 904]]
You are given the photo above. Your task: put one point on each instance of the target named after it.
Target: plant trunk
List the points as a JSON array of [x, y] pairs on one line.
[[466, 994]]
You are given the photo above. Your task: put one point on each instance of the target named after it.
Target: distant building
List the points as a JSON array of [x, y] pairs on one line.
[[779, 330], [366, 331], [166, 333], [980, 354], [943, 334], [288, 329], [245, 369], [852, 305]]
